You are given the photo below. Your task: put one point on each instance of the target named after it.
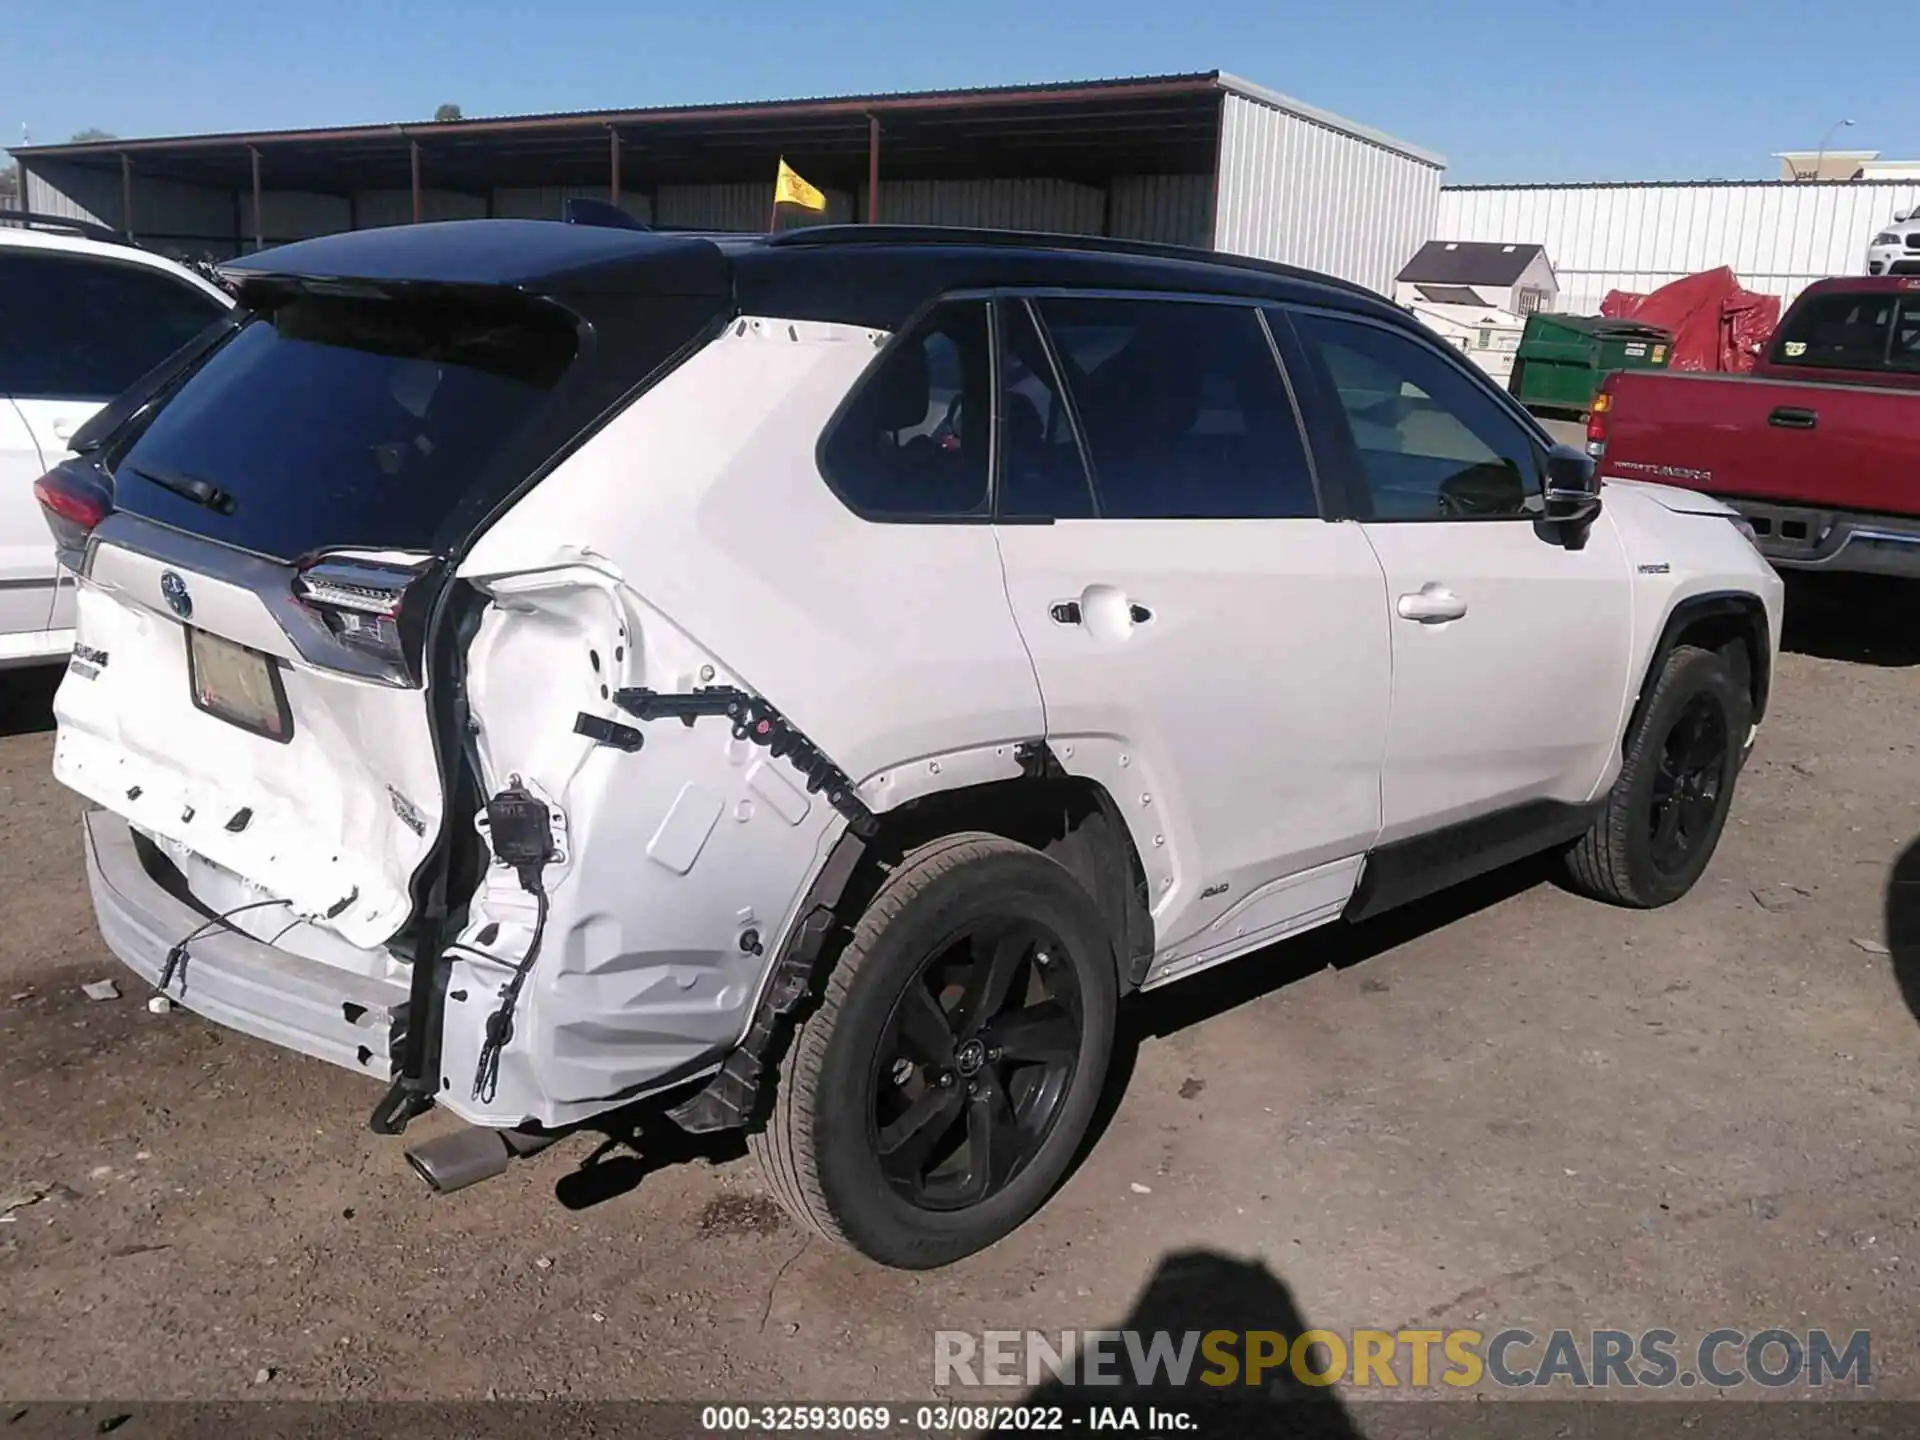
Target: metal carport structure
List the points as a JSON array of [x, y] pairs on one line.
[[1202, 158]]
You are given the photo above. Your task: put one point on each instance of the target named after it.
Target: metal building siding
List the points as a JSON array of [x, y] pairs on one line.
[[548, 202], [1779, 236], [741, 208], [1059, 206], [160, 207], [1295, 189], [294, 215], [374, 208], [1169, 209]]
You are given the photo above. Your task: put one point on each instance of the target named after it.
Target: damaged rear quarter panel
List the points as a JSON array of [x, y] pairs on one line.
[[677, 863], [699, 520]]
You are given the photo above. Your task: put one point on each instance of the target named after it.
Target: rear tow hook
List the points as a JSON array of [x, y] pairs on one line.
[[469, 1155]]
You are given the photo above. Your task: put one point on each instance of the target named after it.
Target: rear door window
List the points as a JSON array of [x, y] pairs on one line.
[[330, 421], [82, 327], [1183, 408]]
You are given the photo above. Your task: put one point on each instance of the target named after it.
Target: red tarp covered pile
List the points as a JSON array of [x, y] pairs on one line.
[[1716, 325]]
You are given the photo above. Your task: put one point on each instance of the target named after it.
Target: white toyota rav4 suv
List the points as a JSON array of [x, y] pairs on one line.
[[805, 683], [82, 316]]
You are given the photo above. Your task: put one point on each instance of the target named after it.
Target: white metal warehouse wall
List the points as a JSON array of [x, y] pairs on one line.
[[1302, 186], [1778, 235]]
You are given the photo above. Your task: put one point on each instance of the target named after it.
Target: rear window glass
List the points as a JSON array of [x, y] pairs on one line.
[[335, 421], [1877, 331]]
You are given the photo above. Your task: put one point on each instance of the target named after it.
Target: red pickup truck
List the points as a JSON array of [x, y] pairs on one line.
[[1819, 447]]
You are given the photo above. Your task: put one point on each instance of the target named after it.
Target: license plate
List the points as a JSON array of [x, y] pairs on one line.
[[238, 685]]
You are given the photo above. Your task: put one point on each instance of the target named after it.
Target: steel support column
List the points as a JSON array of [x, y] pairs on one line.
[[126, 194], [259, 225], [613, 164], [413, 149], [873, 169]]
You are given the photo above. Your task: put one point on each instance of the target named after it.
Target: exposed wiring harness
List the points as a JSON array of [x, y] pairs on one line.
[[520, 828]]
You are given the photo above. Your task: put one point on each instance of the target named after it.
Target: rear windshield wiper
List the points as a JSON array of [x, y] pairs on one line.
[[190, 487]]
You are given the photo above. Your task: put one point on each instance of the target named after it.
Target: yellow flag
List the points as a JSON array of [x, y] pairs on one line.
[[790, 189]]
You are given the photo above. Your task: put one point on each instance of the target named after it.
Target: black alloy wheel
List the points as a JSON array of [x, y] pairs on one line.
[[952, 1070], [976, 1059], [1687, 781]]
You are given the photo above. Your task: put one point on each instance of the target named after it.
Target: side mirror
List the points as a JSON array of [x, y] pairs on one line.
[[1573, 488]]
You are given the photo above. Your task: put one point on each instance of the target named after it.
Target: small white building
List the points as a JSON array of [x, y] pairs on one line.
[[1514, 277], [1485, 334]]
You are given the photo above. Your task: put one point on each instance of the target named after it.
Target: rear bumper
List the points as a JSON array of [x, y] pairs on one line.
[[232, 979], [1801, 537]]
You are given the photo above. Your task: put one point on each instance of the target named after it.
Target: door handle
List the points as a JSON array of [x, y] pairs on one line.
[[1101, 611], [1793, 417], [1432, 604]]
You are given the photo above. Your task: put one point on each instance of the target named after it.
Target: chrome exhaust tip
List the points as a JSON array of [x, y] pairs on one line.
[[458, 1159]]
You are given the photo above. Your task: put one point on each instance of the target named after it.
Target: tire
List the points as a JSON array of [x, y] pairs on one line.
[[865, 1064], [1627, 857]]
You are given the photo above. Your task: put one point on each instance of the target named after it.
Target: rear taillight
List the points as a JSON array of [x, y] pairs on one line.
[[75, 499], [364, 605], [1597, 424]]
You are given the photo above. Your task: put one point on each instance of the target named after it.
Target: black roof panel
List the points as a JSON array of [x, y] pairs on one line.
[[877, 276]]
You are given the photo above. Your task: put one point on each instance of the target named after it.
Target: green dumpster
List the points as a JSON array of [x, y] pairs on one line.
[[1563, 358]]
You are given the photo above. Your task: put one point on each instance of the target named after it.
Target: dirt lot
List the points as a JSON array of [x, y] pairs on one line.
[[1511, 1107]]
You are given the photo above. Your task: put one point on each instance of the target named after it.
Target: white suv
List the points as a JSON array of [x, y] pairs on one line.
[[1896, 249], [806, 683], [82, 317]]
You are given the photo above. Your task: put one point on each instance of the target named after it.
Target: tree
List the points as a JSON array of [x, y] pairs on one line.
[[10, 188], [82, 137], [447, 112]]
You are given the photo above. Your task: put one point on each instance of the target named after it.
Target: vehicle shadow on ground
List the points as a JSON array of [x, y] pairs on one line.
[[634, 1144], [1338, 945], [1193, 1292], [640, 1140], [26, 699], [1903, 924], [1862, 619]]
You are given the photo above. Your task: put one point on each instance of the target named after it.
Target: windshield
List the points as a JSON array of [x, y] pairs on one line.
[[333, 421]]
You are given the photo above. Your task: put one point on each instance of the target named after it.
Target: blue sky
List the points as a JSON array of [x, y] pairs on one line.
[[1549, 90]]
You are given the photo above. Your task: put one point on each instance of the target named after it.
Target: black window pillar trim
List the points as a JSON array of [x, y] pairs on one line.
[[1330, 484], [1057, 373]]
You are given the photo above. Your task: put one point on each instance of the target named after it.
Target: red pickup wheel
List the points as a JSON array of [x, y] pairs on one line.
[[1661, 821]]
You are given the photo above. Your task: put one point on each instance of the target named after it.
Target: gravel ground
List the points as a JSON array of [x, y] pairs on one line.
[[1506, 1107]]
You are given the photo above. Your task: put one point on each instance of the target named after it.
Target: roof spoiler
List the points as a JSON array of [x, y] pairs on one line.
[[579, 210]]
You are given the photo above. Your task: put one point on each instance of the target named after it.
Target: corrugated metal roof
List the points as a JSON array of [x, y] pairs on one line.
[[481, 125]]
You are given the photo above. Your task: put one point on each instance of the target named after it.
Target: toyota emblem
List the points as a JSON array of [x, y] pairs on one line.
[[173, 590]]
